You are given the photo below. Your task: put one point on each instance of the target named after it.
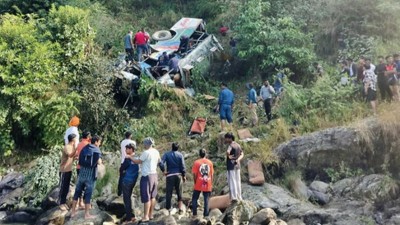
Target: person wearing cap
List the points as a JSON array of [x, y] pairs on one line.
[[130, 173], [175, 173], [67, 161], [252, 103], [72, 129], [86, 138], [128, 140], [149, 159]]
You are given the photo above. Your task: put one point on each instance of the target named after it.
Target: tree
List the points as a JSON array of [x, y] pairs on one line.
[[30, 82], [272, 42]]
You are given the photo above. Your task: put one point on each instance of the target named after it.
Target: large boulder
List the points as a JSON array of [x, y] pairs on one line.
[[369, 145], [256, 174], [374, 187], [239, 213], [11, 181]]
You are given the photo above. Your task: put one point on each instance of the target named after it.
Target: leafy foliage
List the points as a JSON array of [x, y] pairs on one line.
[[30, 82], [42, 178], [270, 41]]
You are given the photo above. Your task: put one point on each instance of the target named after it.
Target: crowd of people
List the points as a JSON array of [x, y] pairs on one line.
[[88, 157], [370, 77]]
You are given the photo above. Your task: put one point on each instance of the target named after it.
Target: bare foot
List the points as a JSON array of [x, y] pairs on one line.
[[73, 214], [88, 217], [63, 207]]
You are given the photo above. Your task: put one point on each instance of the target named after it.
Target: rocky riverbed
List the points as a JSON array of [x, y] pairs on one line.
[[328, 193]]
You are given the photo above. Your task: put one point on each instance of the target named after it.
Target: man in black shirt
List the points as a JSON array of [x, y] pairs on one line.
[[383, 84]]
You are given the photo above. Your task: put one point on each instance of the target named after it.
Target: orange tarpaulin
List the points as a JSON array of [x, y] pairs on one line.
[[198, 126]]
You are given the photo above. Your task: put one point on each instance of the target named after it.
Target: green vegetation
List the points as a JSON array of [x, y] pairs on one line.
[[343, 172]]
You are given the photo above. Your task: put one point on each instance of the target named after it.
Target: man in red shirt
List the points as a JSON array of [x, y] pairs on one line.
[[203, 173], [223, 30], [141, 43]]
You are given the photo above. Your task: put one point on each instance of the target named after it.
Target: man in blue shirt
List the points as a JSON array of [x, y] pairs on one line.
[[130, 173], [174, 64], [225, 105], [175, 173], [128, 43], [252, 103]]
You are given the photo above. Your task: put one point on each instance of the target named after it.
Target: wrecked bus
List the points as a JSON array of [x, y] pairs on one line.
[[201, 46]]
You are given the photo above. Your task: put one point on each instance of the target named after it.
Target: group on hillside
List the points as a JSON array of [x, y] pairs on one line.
[[88, 157], [267, 93], [370, 77]]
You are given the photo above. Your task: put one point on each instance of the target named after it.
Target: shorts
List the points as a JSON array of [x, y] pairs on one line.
[[371, 95], [84, 185], [392, 80], [148, 187], [225, 113]]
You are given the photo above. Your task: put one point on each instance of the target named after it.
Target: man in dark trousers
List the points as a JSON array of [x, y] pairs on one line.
[[266, 93], [226, 100], [383, 84], [128, 43], [203, 175], [130, 173], [175, 173]]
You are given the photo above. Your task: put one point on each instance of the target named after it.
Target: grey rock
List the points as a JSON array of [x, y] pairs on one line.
[[239, 212], [394, 220], [3, 215], [50, 200], [19, 217], [300, 189], [319, 197], [263, 217], [12, 181], [215, 213], [295, 222], [11, 200], [319, 186], [113, 204]]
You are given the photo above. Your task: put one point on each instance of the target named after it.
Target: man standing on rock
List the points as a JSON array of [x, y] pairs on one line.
[[67, 161], [149, 159], [175, 174], [129, 174], [86, 138], [234, 155], [89, 158], [203, 174], [128, 140], [225, 105]]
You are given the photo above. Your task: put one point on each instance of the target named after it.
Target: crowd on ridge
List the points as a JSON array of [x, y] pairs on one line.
[[88, 157]]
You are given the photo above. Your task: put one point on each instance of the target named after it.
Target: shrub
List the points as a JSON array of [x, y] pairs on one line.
[[42, 178]]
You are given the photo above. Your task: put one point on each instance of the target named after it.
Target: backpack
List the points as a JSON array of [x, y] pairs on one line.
[[86, 157]]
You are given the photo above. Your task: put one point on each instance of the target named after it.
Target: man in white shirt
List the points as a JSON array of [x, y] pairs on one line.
[[149, 159], [124, 143], [128, 140], [266, 94], [72, 129]]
